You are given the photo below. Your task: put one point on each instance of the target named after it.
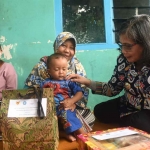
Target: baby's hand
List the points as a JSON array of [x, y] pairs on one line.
[[67, 103], [72, 108]]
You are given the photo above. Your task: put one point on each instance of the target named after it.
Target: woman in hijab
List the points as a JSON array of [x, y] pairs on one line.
[[39, 73]]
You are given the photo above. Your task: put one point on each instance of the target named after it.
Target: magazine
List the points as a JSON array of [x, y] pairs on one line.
[[126, 138]]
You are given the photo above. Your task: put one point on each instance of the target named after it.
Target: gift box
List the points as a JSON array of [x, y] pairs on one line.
[[29, 133], [103, 140]]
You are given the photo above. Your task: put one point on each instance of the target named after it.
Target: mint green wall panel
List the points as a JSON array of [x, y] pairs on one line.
[[27, 32]]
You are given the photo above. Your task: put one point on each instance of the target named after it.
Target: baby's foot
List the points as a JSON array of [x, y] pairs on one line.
[[70, 137]]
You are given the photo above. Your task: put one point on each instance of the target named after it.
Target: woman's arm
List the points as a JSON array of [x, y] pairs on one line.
[[80, 79], [10, 76], [111, 88], [37, 75]]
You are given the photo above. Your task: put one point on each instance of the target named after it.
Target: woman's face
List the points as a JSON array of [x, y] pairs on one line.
[[67, 49], [131, 50]]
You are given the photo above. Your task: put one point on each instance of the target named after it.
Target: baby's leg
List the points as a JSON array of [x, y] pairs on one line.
[[69, 137], [80, 131], [72, 125]]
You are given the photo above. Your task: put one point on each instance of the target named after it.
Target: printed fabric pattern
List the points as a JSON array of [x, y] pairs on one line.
[[136, 85], [64, 89], [29, 133], [61, 38]]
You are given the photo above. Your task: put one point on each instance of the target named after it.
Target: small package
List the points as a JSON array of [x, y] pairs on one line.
[[126, 138], [29, 120]]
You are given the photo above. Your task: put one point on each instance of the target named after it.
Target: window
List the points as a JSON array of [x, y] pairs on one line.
[[90, 20], [85, 19], [124, 9]]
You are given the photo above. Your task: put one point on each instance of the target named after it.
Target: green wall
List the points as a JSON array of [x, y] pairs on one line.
[[28, 26], [27, 32]]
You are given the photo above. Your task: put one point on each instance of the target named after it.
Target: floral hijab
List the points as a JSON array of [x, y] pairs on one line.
[[74, 65], [61, 38]]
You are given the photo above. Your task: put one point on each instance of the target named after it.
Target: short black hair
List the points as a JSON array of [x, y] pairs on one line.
[[54, 56]]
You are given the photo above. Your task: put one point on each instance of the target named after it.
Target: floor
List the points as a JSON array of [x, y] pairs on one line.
[[65, 145]]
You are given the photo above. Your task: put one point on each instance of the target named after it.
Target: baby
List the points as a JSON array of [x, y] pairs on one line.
[[66, 94]]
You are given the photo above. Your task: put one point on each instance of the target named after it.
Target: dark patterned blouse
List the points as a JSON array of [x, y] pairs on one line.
[[135, 83]]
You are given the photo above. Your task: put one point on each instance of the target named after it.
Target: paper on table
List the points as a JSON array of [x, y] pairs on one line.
[[114, 134], [25, 107]]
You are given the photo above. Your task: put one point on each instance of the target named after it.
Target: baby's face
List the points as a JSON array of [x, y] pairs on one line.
[[58, 69]]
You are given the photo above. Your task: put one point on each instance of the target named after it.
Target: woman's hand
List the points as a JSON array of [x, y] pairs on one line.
[[79, 79]]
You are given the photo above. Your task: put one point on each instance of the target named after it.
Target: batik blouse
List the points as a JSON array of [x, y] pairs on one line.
[[135, 83], [39, 74]]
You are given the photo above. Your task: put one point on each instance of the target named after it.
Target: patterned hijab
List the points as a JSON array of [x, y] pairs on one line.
[[61, 38]]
